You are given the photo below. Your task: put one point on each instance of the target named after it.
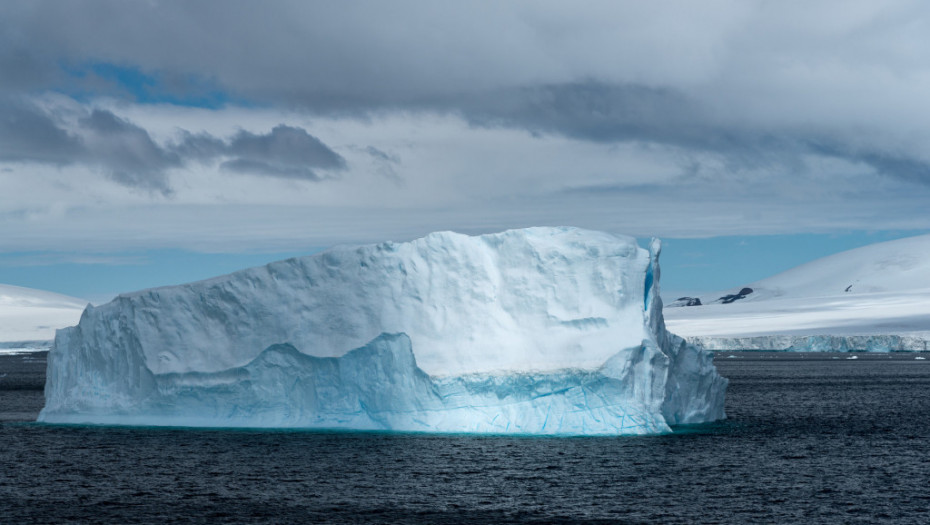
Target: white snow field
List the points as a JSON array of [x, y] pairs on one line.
[[535, 331], [874, 298], [29, 318]]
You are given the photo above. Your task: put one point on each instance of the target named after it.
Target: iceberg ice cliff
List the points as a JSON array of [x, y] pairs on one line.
[[535, 331]]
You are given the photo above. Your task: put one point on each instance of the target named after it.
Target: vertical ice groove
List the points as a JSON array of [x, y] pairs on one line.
[[648, 288]]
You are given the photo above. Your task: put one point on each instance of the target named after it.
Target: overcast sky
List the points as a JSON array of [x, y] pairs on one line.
[[277, 127]]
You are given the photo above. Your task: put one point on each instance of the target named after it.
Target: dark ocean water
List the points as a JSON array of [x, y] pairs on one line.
[[811, 438]]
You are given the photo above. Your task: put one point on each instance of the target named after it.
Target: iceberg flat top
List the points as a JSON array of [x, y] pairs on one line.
[[533, 299]]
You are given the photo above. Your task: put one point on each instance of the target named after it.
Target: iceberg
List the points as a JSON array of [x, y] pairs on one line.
[[535, 331]]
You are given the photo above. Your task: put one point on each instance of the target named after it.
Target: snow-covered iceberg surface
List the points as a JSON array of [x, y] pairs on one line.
[[536, 331]]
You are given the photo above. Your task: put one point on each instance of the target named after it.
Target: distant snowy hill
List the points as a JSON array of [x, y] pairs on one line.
[[900, 266], [882, 288], [34, 315]]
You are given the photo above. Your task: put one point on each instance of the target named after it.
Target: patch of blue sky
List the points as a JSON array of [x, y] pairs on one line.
[[86, 81]]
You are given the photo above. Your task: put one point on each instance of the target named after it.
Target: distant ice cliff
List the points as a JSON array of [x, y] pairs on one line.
[[816, 343]]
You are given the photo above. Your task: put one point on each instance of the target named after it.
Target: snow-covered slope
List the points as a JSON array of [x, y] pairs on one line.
[[34, 315], [901, 266], [880, 289], [544, 330]]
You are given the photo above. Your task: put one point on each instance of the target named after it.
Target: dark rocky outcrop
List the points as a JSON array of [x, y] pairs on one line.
[[727, 299], [686, 301]]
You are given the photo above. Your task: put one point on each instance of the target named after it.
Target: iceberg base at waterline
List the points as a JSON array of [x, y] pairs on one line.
[[546, 331], [379, 387]]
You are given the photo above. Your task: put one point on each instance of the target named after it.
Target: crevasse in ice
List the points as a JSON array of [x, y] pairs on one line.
[[533, 331]]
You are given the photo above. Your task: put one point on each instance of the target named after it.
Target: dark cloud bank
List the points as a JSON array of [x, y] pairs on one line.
[[127, 153], [520, 65]]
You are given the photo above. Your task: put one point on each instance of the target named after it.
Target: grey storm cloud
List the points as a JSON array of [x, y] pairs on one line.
[[29, 135], [748, 80], [886, 163], [285, 152], [127, 153], [123, 150], [607, 113], [602, 112], [22, 69]]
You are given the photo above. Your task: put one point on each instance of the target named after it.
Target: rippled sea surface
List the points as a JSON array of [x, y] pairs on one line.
[[811, 438]]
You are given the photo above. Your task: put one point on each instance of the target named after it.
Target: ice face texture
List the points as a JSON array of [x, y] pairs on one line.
[[535, 331]]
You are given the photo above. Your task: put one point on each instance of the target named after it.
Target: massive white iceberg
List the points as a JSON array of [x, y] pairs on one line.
[[535, 331]]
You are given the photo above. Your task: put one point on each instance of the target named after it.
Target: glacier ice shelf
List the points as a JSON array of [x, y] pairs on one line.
[[815, 343], [534, 331]]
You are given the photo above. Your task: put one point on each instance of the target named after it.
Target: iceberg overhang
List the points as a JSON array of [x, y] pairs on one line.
[[538, 331]]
